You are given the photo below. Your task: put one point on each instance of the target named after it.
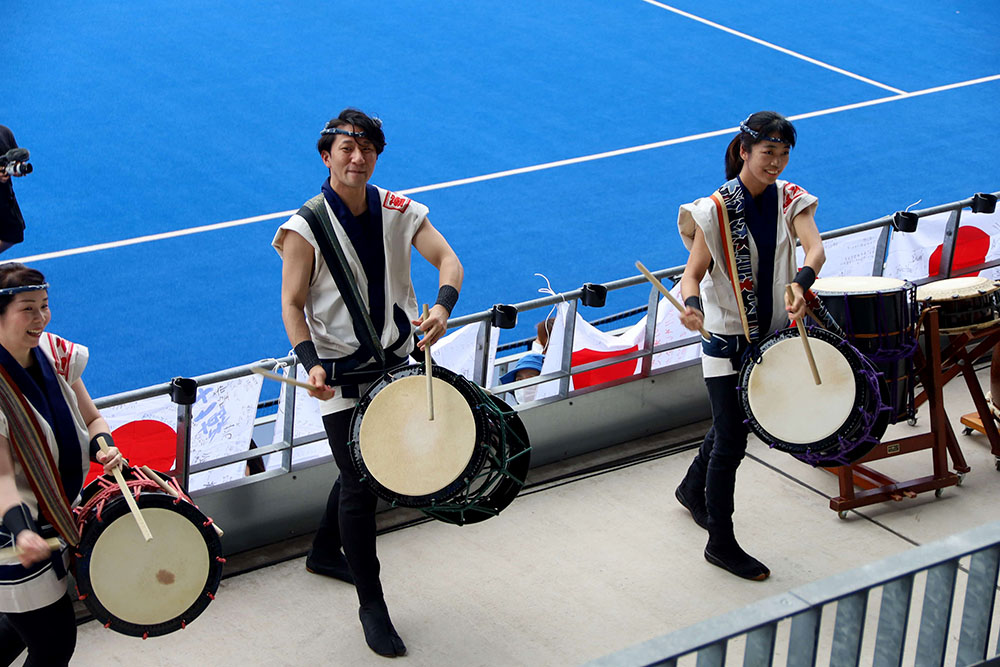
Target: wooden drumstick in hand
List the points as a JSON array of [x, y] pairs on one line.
[[10, 554], [427, 370], [670, 297], [805, 339], [129, 498], [281, 378]]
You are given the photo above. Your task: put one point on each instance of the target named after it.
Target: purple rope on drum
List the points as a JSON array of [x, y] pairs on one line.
[[845, 447]]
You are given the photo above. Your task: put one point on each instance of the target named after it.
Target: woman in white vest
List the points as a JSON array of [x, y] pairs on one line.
[[742, 255], [49, 430]]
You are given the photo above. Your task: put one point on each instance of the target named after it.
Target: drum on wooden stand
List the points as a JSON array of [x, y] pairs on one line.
[[139, 588], [878, 317], [465, 466], [831, 424], [965, 304]]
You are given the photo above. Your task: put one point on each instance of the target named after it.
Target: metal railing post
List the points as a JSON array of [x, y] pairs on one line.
[[652, 314], [288, 427], [183, 392], [567, 352], [482, 354], [949, 242]]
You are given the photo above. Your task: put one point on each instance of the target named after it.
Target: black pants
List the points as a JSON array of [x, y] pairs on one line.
[[349, 518], [722, 450], [48, 633]]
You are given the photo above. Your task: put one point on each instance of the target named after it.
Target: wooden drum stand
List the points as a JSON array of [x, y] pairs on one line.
[[933, 370], [985, 417]]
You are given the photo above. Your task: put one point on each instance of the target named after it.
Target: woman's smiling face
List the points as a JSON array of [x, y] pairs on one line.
[[24, 320], [764, 163]]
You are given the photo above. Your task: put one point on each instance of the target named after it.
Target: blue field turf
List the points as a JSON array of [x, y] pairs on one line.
[[151, 117]]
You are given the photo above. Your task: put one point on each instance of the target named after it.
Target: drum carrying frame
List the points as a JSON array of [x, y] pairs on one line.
[[958, 358], [940, 439]]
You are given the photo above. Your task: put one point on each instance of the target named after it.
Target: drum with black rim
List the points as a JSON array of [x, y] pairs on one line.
[[878, 317], [830, 424], [465, 466], [965, 304], [140, 588]]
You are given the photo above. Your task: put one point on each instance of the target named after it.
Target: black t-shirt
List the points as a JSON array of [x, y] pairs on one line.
[[11, 221], [762, 221]]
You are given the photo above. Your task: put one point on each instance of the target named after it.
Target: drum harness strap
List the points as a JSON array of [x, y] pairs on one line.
[[343, 371], [735, 236], [28, 443]]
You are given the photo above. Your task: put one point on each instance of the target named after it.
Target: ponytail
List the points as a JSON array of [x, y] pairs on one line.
[[734, 163]]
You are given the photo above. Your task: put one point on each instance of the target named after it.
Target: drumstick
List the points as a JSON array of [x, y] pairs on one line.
[[129, 498], [282, 378], [670, 297], [162, 483], [430, 378], [805, 339], [10, 554]]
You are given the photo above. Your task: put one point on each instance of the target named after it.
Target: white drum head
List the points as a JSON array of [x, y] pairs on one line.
[[955, 288], [404, 451], [856, 284], [786, 401], [149, 582]]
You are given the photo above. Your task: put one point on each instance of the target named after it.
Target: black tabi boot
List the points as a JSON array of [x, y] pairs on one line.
[[379, 633], [334, 566], [691, 494], [724, 551]]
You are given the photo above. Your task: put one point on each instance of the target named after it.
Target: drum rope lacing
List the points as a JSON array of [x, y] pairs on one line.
[[868, 419], [469, 498], [844, 446]]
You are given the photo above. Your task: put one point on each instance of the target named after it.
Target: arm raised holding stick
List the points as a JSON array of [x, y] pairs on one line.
[[665, 292]]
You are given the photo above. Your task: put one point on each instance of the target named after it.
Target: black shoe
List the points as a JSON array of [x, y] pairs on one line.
[[335, 567], [728, 555], [697, 510], [379, 633]]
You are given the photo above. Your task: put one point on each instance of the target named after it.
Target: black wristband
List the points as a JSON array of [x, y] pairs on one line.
[[18, 518], [447, 297], [694, 302], [95, 445], [805, 277], [306, 352]]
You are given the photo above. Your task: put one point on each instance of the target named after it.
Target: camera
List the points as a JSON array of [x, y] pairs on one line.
[[15, 162]]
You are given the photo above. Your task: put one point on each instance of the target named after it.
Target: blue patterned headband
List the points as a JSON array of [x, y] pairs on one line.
[[744, 127], [8, 291], [346, 133]]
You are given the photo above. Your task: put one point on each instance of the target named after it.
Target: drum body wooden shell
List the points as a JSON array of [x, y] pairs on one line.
[[831, 424], [465, 466], [878, 317], [965, 304], [146, 589]]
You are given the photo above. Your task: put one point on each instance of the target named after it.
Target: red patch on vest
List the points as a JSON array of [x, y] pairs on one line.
[[62, 353], [392, 200], [792, 192]]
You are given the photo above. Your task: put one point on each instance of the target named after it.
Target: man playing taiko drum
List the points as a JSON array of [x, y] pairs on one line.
[[349, 309]]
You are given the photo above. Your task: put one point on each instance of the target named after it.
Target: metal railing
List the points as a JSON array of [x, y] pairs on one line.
[[887, 634], [505, 316]]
